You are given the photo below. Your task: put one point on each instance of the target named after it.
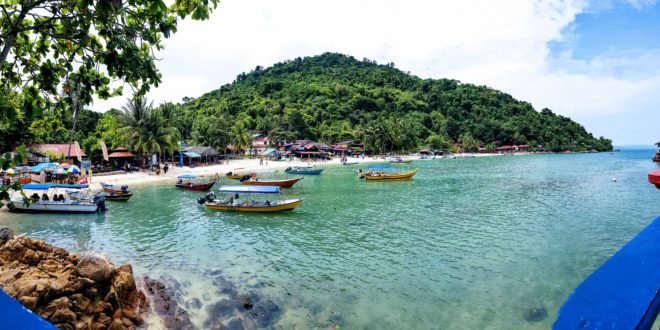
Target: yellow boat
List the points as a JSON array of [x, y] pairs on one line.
[[235, 203], [384, 176]]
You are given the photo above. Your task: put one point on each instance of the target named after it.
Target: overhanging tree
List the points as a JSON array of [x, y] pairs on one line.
[[81, 45]]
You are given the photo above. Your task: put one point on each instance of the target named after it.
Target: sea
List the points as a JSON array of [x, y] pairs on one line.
[[470, 243]]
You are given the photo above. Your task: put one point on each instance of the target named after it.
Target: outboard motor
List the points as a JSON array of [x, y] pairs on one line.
[[99, 200], [210, 197], [288, 169]]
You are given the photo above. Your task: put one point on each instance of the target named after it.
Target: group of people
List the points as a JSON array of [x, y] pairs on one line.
[[44, 197]]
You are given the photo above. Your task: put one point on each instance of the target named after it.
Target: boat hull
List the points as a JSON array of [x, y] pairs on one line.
[[286, 205], [305, 172], [654, 178], [390, 177], [118, 198], [55, 207], [278, 183], [110, 189], [196, 186]]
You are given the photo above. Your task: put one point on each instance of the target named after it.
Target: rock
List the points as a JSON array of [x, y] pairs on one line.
[[69, 291], [162, 296], [535, 314], [6, 234], [96, 267], [244, 301]]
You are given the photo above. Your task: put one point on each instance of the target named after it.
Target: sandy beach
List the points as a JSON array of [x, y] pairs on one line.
[[140, 178]]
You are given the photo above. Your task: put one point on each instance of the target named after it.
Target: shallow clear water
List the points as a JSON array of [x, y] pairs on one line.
[[469, 243]]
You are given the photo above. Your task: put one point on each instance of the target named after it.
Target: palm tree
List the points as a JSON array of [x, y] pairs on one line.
[[240, 137], [149, 131]]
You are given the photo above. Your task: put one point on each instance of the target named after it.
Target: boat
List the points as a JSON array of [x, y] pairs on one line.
[[63, 198], [309, 170], [350, 163], [279, 183], [238, 175], [234, 202], [109, 188], [117, 197], [193, 182], [654, 178], [387, 175], [398, 160]]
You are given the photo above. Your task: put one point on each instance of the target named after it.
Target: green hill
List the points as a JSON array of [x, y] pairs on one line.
[[333, 97]]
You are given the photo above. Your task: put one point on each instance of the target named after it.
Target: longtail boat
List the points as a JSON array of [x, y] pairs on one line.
[[193, 182], [398, 160], [308, 170], [117, 197], [64, 198], [238, 175], [234, 202], [388, 175], [279, 183], [109, 188]]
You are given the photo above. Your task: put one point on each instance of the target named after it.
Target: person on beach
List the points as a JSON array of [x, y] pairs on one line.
[[166, 168]]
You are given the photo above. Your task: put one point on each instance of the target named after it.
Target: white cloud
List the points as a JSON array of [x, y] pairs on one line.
[[502, 44]]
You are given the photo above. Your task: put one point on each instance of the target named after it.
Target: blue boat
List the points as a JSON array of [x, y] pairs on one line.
[[624, 293], [303, 170]]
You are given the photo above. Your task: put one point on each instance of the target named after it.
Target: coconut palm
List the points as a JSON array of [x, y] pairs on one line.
[[240, 137], [148, 129]]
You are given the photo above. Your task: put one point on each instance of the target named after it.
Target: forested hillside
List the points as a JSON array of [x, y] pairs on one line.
[[333, 97], [327, 98]]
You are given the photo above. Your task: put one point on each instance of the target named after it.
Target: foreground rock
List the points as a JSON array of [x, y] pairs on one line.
[[69, 291]]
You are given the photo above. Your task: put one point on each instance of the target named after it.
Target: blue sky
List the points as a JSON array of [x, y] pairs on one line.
[[597, 62]]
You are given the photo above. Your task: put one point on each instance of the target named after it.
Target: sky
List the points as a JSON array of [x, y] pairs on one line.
[[597, 62]]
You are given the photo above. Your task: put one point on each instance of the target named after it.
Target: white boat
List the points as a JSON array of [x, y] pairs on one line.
[[58, 198], [350, 163]]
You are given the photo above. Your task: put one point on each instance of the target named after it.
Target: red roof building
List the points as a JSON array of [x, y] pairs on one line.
[[69, 150]]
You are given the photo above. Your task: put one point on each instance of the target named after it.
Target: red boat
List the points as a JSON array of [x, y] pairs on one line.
[[189, 182], [280, 183], [654, 178]]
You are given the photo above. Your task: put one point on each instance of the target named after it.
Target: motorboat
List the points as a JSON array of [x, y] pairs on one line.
[[63, 198], [287, 183], [308, 170], [234, 200], [194, 182], [386, 173]]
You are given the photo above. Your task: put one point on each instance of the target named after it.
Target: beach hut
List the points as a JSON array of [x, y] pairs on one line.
[[121, 153], [70, 151], [208, 154]]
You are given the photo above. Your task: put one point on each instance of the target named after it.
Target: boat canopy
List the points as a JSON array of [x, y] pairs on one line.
[[49, 185], [187, 176], [251, 189], [379, 167]]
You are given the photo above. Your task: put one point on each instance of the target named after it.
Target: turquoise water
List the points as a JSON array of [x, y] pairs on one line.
[[468, 244]]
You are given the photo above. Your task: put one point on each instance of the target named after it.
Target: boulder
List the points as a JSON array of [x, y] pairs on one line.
[[6, 234], [95, 267]]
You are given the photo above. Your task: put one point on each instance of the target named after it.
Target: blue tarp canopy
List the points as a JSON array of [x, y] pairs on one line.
[[53, 185], [187, 176], [45, 167], [380, 167], [250, 189], [192, 154]]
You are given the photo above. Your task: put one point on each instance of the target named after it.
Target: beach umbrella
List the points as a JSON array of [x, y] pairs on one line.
[[10, 171], [45, 167], [73, 169], [65, 165], [59, 171]]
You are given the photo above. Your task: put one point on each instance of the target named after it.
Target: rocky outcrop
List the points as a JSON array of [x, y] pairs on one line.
[[69, 291]]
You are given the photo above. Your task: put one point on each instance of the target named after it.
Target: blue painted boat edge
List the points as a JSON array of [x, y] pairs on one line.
[[623, 293], [15, 316]]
